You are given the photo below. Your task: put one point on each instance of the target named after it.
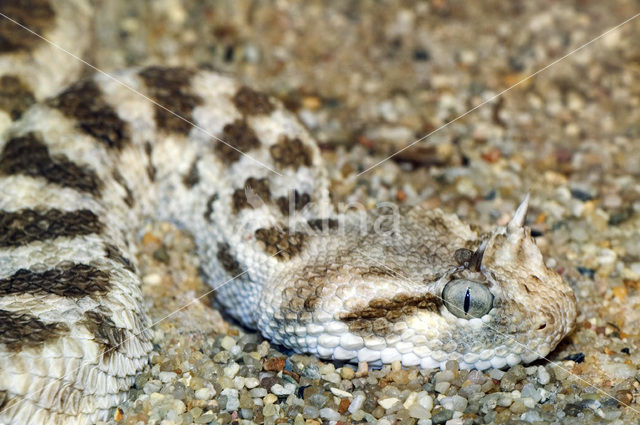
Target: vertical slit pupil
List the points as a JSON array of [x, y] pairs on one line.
[[467, 300]]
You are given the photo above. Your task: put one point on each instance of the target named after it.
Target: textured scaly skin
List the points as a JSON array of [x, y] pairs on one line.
[[82, 166]]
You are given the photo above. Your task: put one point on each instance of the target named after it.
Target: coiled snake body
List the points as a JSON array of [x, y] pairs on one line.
[[82, 163]]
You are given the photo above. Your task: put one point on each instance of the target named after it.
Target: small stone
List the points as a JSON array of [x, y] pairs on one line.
[[310, 412], [441, 416], [227, 342], [455, 403], [496, 374], [329, 414], [543, 376], [442, 387], [340, 393], [311, 371], [268, 410], [231, 370], [444, 376], [270, 399], [318, 400], [477, 377], [275, 364], [347, 373], [356, 403], [251, 382], [529, 390], [512, 377], [419, 412], [332, 377], [203, 394], [387, 403], [206, 418], [152, 386], [167, 377], [258, 392]]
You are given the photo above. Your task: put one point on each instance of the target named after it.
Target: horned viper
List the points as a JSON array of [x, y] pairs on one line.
[[83, 163]]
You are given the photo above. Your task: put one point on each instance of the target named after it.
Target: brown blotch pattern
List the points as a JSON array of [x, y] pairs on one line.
[[280, 242], [380, 314], [239, 138], [15, 96], [25, 226], [106, 333], [207, 214], [171, 88], [259, 187], [37, 15], [192, 177], [323, 224], [128, 199], [70, 280], [251, 102], [28, 155], [151, 169], [19, 331], [84, 102], [290, 153], [297, 201], [114, 253], [227, 261]]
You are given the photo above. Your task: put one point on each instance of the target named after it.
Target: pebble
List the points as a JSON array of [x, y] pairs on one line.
[[251, 382], [387, 403], [227, 342], [455, 403], [543, 376], [231, 370], [329, 414], [204, 394], [356, 403], [340, 393], [310, 412], [444, 376], [442, 387], [167, 377]]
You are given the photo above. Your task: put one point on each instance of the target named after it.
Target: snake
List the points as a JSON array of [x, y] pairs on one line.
[[85, 160]]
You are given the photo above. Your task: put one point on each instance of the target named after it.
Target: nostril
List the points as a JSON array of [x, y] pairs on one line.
[[542, 326]]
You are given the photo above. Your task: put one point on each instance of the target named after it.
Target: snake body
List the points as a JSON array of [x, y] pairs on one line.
[[83, 163]]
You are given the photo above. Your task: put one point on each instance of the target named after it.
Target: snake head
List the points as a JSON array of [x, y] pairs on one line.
[[524, 307], [429, 291]]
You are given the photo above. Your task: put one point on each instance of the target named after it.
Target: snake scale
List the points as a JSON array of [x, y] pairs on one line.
[[83, 163]]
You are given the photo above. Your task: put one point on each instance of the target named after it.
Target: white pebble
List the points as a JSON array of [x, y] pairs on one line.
[[340, 393], [543, 376], [356, 403], [203, 394], [251, 382], [231, 370], [227, 342], [167, 377], [387, 403], [330, 414]]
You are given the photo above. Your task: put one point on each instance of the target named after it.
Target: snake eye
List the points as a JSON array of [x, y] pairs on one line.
[[467, 299]]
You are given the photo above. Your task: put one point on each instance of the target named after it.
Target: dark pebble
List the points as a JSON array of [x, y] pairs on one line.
[[268, 381], [421, 55], [581, 195], [576, 357], [441, 416], [585, 271], [250, 347], [625, 350]]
